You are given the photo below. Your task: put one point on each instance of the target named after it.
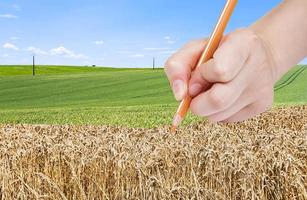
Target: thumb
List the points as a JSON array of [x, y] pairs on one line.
[[178, 68], [197, 83]]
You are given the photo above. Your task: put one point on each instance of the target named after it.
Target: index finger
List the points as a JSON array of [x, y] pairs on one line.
[[180, 65]]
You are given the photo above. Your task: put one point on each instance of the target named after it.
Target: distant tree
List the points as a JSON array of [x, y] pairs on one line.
[[33, 66]]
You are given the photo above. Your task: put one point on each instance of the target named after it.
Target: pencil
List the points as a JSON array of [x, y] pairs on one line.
[[207, 54]]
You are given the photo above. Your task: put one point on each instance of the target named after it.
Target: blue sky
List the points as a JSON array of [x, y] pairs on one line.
[[121, 33]]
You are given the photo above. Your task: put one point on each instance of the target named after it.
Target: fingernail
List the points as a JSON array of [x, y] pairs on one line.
[[179, 89], [195, 89]]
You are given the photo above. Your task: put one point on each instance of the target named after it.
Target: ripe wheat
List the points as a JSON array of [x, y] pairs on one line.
[[263, 158]]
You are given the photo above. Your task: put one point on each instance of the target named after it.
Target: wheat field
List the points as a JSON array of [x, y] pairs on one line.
[[263, 158]]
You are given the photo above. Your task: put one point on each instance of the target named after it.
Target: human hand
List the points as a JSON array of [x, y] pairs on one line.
[[235, 85]]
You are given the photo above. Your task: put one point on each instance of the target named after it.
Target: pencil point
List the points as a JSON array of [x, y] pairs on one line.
[[173, 129], [176, 122]]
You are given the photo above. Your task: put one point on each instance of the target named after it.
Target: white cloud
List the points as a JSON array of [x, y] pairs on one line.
[[37, 51], [169, 40], [99, 42], [14, 38], [8, 16], [10, 46], [137, 55], [62, 51], [16, 7]]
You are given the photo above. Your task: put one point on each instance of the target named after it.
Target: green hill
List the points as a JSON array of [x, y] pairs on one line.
[[292, 88], [11, 70], [93, 95]]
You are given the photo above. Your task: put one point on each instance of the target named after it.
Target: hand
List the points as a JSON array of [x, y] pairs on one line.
[[235, 85]]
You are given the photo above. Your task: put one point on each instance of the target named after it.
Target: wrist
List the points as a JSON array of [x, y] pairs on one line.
[[272, 58], [283, 32]]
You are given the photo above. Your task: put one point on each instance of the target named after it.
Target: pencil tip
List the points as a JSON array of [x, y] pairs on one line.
[[173, 129], [176, 122]]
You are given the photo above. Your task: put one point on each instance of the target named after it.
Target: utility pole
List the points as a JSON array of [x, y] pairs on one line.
[[33, 66], [153, 63]]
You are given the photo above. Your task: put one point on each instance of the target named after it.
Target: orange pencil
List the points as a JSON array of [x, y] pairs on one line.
[[207, 54]]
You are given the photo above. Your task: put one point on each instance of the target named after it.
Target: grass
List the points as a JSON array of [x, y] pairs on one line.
[[292, 87], [93, 95], [11, 70], [262, 158]]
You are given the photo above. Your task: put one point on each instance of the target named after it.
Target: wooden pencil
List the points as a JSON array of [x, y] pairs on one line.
[[207, 54]]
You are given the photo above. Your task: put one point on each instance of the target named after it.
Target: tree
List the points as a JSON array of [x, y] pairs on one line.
[[33, 66]]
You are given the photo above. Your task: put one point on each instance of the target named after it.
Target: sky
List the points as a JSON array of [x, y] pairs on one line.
[[121, 33]]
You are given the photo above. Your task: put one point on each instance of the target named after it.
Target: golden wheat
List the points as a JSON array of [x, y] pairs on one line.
[[263, 158]]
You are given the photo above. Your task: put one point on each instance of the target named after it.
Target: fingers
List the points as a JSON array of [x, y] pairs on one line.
[[178, 68], [216, 99], [198, 84], [244, 100], [231, 71], [227, 61], [222, 95], [251, 110]]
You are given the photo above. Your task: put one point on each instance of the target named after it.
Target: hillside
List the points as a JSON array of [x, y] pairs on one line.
[[87, 95]]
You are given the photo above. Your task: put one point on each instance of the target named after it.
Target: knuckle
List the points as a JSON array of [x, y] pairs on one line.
[[253, 38], [249, 34], [220, 72], [170, 65], [238, 33], [217, 99], [174, 69]]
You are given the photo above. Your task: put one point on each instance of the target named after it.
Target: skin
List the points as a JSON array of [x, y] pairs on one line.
[[238, 83]]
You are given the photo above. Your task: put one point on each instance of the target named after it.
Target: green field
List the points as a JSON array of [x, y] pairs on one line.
[[88, 95]]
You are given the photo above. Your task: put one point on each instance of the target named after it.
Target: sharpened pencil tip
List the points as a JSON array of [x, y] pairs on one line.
[[176, 122], [173, 129]]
